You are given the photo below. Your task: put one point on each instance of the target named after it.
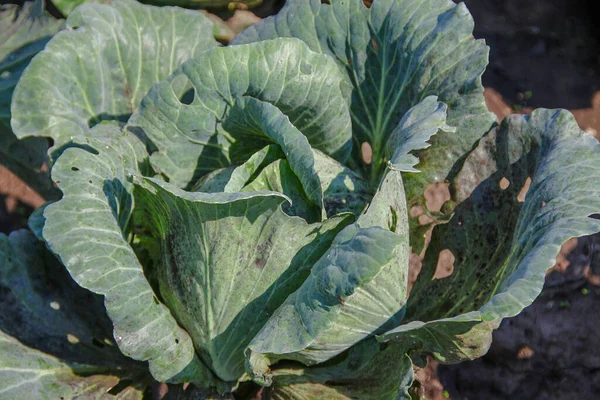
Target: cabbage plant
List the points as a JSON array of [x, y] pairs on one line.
[[238, 221]]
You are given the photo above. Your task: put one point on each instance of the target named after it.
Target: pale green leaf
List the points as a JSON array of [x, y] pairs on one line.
[[388, 208], [66, 7], [102, 65], [251, 121], [242, 174], [279, 177], [395, 54], [55, 337], [24, 31], [227, 261], [339, 304], [187, 129], [89, 229], [414, 130], [343, 190]]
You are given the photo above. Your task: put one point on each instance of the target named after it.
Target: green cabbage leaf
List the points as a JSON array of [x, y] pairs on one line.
[[245, 211]]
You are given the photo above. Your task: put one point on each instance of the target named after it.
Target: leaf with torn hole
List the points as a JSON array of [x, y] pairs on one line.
[[98, 200], [102, 65], [231, 286], [55, 337], [503, 246], [395, 54], [206, 131]]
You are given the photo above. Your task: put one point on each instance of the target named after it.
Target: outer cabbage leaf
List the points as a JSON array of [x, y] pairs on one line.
[[67, 6], [102, 65], [396, 53], [23, 33], [227, 261], [90, 228], [367, 371], [55, 337], [346, 298], [305, 86], [503, 247]]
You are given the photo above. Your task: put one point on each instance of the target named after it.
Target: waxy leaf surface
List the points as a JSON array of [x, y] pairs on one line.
[[55, 337], [102, 65], [183, 115], [339, 304], [227, 261], [395, 54], [89, 230]]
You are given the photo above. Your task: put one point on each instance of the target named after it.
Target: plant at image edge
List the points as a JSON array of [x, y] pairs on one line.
[[220, 224]]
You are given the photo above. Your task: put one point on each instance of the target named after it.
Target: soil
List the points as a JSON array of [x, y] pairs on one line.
[[545, 53]]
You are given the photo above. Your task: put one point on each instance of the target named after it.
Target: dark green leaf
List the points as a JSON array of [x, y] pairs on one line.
[[502, 246]]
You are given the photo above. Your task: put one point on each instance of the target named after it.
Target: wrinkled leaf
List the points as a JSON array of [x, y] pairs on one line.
[[395, 54], [186, 129], [346, 298], [102, 65], [251, 121], [89, 229], [502, 246], [414, 130], [343, 190], [227, 261], [55, 337]]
